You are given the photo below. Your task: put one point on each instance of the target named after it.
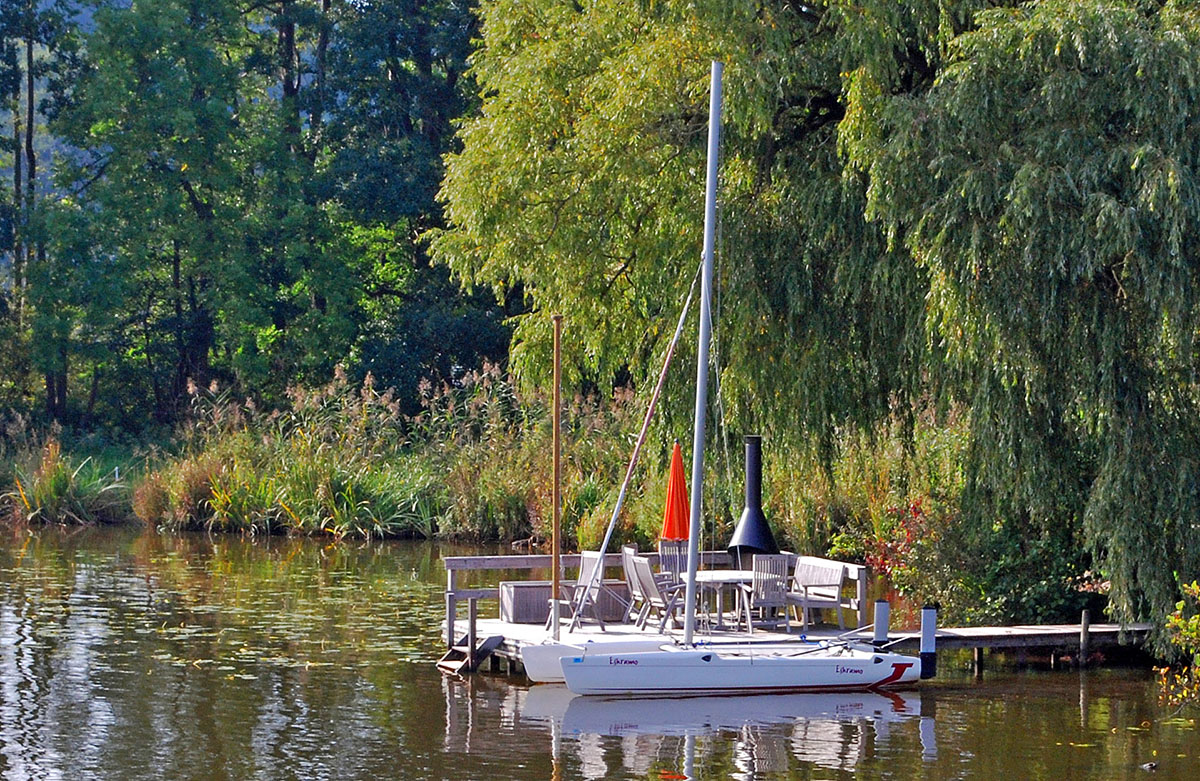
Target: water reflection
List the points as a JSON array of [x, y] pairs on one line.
[[833, 731], [129, 655]]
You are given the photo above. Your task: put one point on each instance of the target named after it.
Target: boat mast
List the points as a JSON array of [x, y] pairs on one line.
[[710, 219]]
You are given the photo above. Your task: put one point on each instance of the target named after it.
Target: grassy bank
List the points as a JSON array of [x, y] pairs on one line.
[[343, 460], [475, 464]]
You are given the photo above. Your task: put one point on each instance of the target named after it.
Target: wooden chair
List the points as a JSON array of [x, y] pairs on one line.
[[672, 561], [585, 592], [767, 592], [637, 599], [816, 583], [664, 601]]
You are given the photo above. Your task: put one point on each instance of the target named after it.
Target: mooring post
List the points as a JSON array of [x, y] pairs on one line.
[[451, 606], [883, 615], [1085, 628], [928, 641], [978, 662], [472, 612]]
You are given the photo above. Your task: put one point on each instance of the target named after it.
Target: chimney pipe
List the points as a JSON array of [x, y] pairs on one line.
[[753, 534]]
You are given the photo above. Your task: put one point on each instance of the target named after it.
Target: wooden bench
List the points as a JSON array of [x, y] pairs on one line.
[[817, 583]]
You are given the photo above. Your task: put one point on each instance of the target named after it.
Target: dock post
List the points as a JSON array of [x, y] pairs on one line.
[[978, 662], [451, 607], [472, 612], [1085, 628], [928, 641], [883, 616]]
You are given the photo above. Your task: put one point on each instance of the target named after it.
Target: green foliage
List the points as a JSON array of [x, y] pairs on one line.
[[1180, 686], [925, 206], [237, 195]]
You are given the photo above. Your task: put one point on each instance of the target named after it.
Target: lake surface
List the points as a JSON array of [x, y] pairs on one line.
[[131, 655]]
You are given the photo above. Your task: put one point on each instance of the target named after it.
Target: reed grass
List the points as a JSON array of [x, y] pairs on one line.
[[48, 486], [342, 460]]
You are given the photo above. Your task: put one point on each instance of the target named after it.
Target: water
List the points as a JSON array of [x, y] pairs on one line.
[[126, 655]]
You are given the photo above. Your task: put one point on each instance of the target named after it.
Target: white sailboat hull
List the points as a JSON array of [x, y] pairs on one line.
[[748, 670], [542, 661]]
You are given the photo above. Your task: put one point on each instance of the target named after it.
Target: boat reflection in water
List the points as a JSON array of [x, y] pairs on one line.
[[766, 733]]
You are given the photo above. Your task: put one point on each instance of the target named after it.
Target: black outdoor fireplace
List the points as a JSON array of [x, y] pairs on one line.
[[752, 534]]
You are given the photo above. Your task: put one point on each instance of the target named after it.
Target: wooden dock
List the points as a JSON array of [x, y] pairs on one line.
[[505, 638], [1056, 640]]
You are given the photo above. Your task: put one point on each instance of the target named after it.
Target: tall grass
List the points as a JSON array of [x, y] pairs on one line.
[[342, 460], [45, 485], [330, 463]]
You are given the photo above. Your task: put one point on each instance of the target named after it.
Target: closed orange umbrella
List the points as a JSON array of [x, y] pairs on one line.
[[677, 517]]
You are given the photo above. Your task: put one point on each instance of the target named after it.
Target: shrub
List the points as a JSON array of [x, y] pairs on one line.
[[1179, 686]]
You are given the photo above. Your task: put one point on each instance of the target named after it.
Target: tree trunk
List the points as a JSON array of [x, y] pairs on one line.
[[30, 156], [317, 117], [160, 413], [94, 393], [51, 378], [179, 384], [289, 79], [60, 402], [18, 281], [203, 333]]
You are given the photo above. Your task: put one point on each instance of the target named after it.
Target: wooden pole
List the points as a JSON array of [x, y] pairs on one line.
[[451, 606], [472, 615], [1085, 626], [556, 543]]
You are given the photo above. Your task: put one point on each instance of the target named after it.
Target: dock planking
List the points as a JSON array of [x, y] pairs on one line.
[[1030, 636]]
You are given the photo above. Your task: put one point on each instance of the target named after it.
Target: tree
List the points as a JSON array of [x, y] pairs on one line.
[[580, 184], [924, 204], [38, 51], [226, 152], [395, 82], [1047, 184]]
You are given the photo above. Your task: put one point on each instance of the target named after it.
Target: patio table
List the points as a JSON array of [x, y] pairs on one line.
[[717, 580]]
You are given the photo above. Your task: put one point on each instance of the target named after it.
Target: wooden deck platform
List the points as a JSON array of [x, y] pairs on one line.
[[1052, 638], [508, 637], [1030, 636]]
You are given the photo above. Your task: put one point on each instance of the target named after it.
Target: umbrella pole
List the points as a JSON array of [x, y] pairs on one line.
[[556, 543]]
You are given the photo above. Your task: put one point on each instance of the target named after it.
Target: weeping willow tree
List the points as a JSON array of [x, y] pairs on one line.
[[923, 204], [1047, 185], [581, 184]]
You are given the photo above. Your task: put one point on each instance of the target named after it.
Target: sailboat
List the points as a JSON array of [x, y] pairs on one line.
[[685, 668]]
